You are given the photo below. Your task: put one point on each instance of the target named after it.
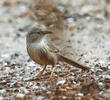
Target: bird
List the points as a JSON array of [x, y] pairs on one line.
[[44, 53]]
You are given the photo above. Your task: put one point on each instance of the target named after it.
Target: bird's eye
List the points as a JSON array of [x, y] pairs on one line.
[[39, 32]]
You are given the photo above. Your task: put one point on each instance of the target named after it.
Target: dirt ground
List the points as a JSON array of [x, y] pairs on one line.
[[89, 36]]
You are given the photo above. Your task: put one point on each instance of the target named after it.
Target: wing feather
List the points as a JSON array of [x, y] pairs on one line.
[[52, 48]]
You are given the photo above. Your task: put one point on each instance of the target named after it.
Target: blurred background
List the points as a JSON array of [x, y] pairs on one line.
[[81, 30]]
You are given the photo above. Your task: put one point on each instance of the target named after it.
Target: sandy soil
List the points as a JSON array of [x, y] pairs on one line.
[[90, 45]]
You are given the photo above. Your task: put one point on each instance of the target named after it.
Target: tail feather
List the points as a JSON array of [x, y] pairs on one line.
[[73, 63]]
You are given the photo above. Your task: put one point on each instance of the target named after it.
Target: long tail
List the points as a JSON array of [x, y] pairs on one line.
[[73, 63]]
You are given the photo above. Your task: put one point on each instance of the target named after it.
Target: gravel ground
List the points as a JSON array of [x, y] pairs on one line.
[[89, 31]]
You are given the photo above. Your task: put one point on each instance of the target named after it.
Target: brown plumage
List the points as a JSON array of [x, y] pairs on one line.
[[44, 53]]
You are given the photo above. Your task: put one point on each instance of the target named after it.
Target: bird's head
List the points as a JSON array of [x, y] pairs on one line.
[[36, 33]]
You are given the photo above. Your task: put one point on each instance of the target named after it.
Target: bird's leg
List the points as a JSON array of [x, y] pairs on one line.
[[42, 71], [53, 69]]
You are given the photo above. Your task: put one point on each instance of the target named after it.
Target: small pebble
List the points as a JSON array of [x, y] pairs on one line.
[[86, 61], [107, 94], [27, 79], [20, 96], [69, 20], [5, 56], [86, 9], [101, 62], [80, 94], [23, 8], [109, 67], [64, 97], [74, 82], [106, 76], [61, 82], [31, 64], [2, 91], [40, 98], [24, 90], [18, 34], [1, 98], [61, 8], [43, 88], [35, 87], [49, 92], [100, 83], [16, 54]]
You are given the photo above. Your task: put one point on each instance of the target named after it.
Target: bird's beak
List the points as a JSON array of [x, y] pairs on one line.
[[47, 32]]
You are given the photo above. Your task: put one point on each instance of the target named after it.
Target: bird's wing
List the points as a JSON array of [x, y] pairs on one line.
[[52, 48]]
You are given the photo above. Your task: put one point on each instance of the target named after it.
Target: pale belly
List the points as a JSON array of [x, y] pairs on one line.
[[40, 55]]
